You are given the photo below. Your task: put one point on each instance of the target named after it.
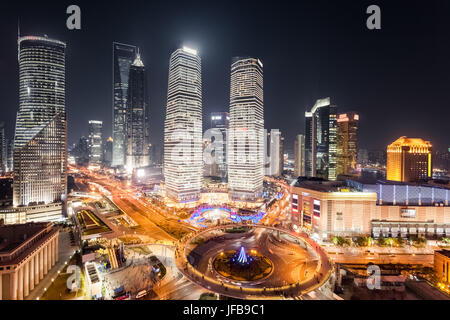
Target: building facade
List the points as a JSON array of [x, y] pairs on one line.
[[137, 121], [95, 142], [3, 150], [274, 163], [123, 57], [245, 150], [442, 267], [183, 158], [347, 142], [352, 208], [321, 140], [220, 122], [24, 263], [409, 159], [40, 141], [299, 156]]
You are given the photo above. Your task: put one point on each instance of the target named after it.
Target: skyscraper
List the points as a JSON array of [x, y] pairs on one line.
[[347, 142], [220, 122], [246, 134], [40, 142], [3, 150], [409, 160], [275, 163], [107, 152], [137, 155], [95, 142], [299, 156], [123, 57], [183, 158], [320, 140]]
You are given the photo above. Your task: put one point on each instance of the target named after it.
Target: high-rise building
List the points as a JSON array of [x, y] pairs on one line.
[[347, 142], [299, 156], [40, 142], [81, 152], [95, 142], [123, 57], [409, 160], [183, 158], [274, 165], [137, 155], [245, 150], [3, 149], [220, 122], [9, 155], [320, 140], [107, 152]]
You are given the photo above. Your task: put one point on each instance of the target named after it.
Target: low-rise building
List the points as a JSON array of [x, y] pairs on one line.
[[381, 208], [442, 266], [27, 253]]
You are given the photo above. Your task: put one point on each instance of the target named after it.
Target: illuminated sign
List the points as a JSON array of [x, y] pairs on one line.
[[407, 213]]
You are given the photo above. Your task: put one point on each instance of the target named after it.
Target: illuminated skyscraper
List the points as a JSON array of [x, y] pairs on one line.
[[409, 159], [347, 142], [274, 165], [246, 134], [95, 142], [183, 157], [3, 150], [299, 156], [123, 57], [220, 122], [40, 142], [137, 128], [320, 140]]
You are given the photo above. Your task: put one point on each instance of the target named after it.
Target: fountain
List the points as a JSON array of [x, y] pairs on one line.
[[242, 266]]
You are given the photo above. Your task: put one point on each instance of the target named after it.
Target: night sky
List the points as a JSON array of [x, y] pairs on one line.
[[397, 78]]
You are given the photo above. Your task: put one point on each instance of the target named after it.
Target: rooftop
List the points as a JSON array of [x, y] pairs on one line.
[[444, 252]]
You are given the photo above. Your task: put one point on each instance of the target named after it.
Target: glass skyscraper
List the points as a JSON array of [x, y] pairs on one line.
[[123, 57], [245, 150], [321, 140], [40, 142], [95, 142], [183, 158], [220, 122], [137, 155], [347, 142]]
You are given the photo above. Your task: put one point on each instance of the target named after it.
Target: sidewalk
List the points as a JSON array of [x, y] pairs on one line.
[[65, 253]]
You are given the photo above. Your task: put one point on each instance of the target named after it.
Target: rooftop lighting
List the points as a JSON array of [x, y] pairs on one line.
[[189, 50]]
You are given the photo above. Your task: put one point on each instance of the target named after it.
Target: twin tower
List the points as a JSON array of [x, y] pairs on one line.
[[183, 152]]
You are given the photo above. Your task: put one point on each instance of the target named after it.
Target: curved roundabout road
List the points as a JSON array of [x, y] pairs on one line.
[[299, 264]]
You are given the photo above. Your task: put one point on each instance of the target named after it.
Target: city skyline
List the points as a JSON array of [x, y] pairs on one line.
[[313, 67]]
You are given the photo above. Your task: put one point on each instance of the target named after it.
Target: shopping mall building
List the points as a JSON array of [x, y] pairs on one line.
[[377, 208]]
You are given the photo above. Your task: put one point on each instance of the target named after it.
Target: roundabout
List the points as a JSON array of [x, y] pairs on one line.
[[253, 261], [242, 266]]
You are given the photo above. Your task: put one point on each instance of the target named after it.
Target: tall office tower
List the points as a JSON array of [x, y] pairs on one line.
[[409, 160], [123, 57], [40, 142], [220, 122], [107, 152], [81, 152], [363, 156], [245, 150], [299, 156], [95, 142], [137, 155], [347, 142], [321, 140], [275, 162], [3, 150], [9, 155], [183, 158]]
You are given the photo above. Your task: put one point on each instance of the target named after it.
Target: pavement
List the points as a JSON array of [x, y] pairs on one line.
[[66, 251]]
